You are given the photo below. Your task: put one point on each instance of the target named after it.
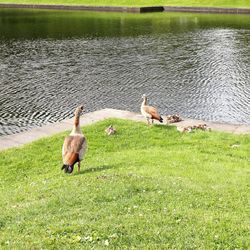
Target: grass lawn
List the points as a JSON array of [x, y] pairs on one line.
[[209, 3], [144, 188]]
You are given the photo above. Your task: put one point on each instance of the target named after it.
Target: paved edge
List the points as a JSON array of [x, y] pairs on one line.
[[85, 7], [130, 9], [217, 10], [22, 138]]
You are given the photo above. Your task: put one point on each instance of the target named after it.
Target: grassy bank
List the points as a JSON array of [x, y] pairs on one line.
[[144, 188], [211, 3]]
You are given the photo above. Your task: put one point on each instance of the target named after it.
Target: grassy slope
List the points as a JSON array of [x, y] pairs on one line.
[[144, 188], [211, 3]]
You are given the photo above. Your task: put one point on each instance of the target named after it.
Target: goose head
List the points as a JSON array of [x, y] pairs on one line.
[[70, 169], [79, 110], [145, 99]]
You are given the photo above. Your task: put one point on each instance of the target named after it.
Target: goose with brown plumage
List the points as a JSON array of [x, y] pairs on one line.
[[149, 112], [74, 146]]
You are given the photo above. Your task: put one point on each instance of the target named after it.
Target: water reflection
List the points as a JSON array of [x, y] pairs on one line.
[[196, 65], [33, 24]]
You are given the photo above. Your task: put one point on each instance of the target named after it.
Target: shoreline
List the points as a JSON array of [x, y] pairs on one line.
[[22, 138], [148, 9]]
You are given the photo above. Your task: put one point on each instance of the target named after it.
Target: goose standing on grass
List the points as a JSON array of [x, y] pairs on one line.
[[74, 146], [149, 112]]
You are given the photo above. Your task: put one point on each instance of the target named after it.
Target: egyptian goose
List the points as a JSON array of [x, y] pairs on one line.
[[149, 112], [110, 130], [173, 118], [74, 146]]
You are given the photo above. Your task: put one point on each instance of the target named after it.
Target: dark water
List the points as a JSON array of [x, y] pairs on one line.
[[197, 65]]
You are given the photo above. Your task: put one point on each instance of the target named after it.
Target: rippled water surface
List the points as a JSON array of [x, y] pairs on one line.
[[196, 65]]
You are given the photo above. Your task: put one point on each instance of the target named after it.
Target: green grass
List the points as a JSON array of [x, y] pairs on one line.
[[210, 3], [144, 188]]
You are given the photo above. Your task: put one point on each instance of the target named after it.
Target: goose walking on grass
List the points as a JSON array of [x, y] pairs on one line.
[[149, 112], [74, 146]]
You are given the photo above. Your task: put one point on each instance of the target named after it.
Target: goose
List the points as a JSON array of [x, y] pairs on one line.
[[149, 112], [74, 146], [110, 130], [173, 118]]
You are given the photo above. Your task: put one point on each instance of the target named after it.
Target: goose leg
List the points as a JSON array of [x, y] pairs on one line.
[[148, 121], [79, 167]]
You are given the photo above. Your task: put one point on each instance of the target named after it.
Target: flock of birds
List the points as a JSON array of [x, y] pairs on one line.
[[75, 145]]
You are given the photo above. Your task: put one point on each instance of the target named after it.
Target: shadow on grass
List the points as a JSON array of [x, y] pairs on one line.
[[99, 169], [171, 126]]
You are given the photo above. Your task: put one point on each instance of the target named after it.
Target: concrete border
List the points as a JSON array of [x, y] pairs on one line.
[[207, 10], [22, 138], [129, 9], [85, 7]]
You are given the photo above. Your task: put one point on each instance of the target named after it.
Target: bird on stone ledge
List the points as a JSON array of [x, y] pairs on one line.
[[149, 112], [74, 146]]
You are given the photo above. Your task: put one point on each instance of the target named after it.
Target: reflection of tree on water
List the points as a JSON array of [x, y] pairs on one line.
[[32, 24]]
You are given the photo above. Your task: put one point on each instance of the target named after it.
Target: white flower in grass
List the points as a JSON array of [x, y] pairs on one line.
[[78, 238], [113, 235], [88, 238], [106, 243]]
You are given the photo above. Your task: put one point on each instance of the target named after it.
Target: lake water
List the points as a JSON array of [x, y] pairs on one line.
[[196, 65]]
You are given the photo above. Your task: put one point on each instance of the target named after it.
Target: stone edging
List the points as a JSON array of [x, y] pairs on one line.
[[85, 7], [130, 9], [22, 138], [207, 10]]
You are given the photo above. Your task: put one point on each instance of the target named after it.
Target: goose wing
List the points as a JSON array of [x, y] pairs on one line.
[[153, 112], [73, 149]]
